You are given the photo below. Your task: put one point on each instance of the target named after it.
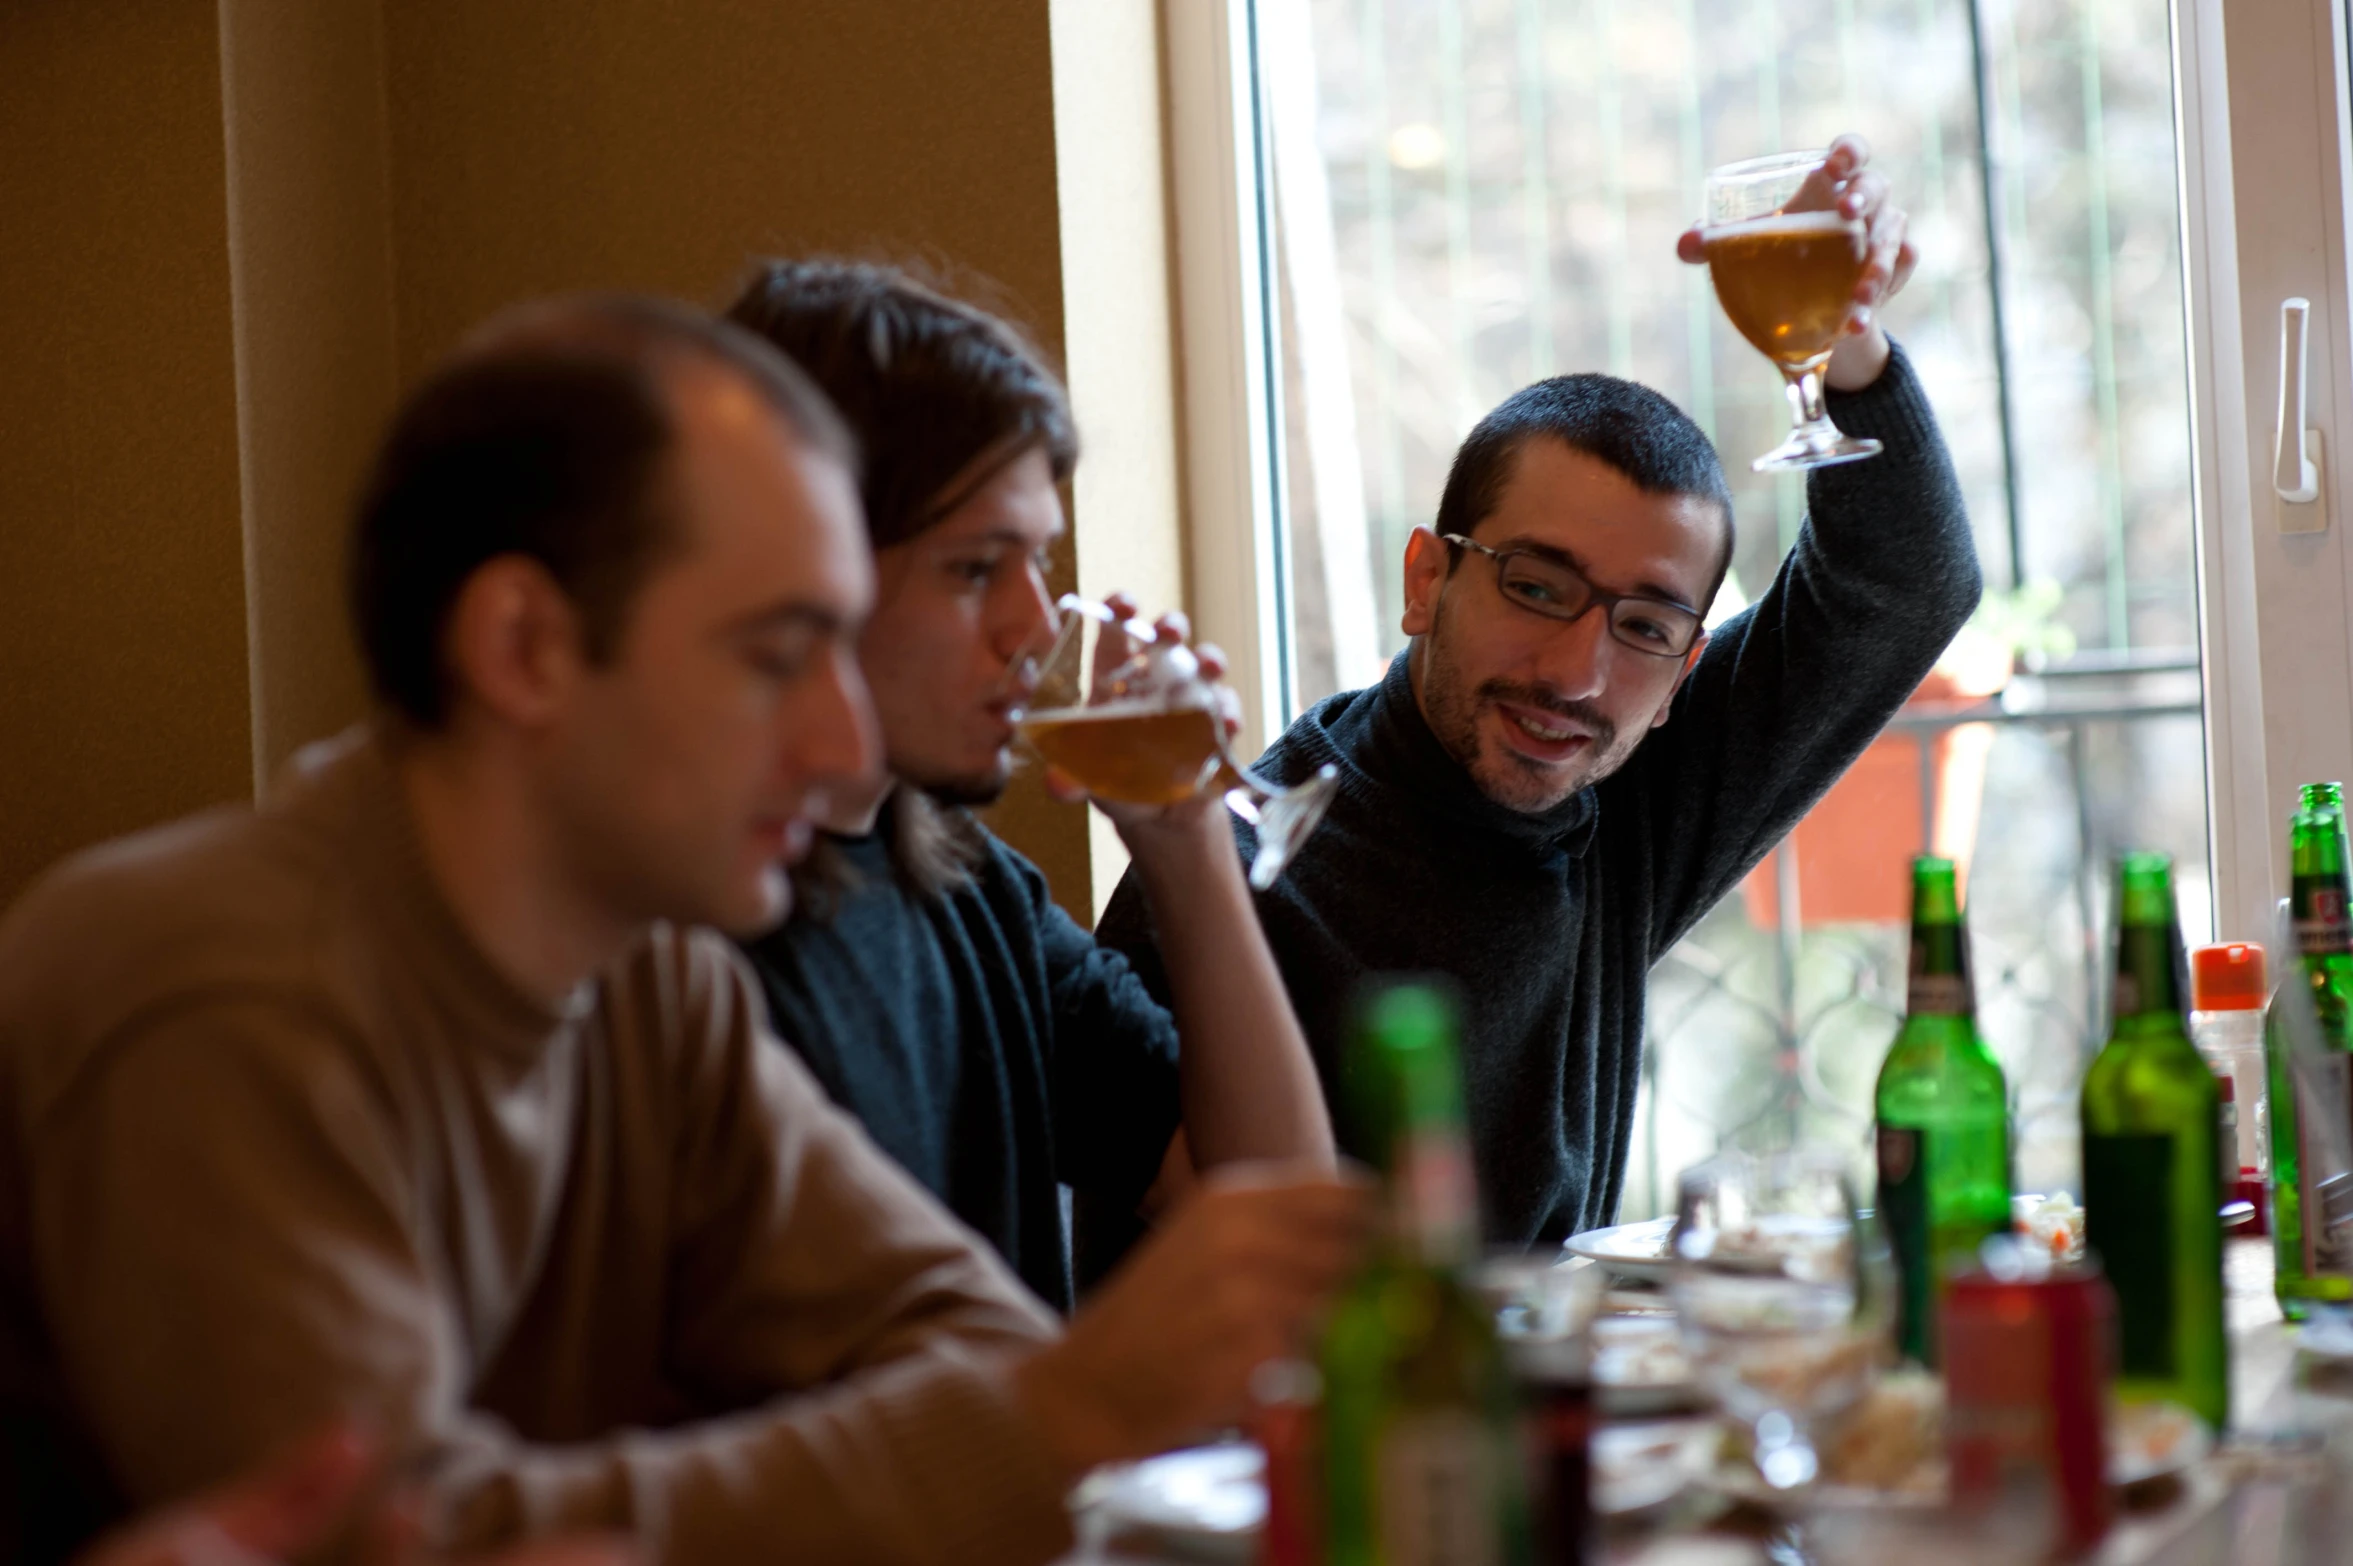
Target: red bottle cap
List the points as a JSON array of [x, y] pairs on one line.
[[2227, 977]]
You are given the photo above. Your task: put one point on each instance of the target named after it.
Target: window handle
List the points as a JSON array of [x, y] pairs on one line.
[[2295, 469]]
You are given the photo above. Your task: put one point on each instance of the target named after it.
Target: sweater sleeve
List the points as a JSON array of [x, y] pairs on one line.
[[232, 1247], [1787, 694]]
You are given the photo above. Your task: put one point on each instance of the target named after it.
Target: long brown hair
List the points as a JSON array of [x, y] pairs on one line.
[[941, 395]]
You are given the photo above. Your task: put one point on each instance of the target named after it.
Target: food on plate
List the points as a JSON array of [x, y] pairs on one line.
[[2052, 1223], [1638, 1351], [1893, 1440]]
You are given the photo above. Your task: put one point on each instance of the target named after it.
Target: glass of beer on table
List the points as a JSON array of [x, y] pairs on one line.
[[1133, 720], [1785, 271]]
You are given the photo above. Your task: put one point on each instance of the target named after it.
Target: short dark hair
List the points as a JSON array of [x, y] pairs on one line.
[[546, 435], [1623, 423], [931, 384]]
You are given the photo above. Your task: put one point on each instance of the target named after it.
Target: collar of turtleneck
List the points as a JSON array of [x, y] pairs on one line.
[[1402, 753]]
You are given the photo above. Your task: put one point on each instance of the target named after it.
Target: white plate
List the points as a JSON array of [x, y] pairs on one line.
[[1210, 1502], [1638, 1250], [1639, 1367], [1639, 1467]]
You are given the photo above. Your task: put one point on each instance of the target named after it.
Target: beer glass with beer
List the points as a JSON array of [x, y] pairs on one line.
[[1134, 721], [1787, 280]]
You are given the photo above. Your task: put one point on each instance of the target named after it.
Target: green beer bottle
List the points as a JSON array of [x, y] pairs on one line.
[[1423, 1461], [2152, 1190], [2311, 1252], [1942, 1109]]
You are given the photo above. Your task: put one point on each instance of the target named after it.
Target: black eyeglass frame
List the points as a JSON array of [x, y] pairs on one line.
[[1595, 597]]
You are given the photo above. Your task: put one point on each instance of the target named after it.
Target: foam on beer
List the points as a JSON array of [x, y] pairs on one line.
[[1810, 223]]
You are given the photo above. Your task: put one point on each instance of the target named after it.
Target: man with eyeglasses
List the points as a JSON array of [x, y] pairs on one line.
[[1565, 770]]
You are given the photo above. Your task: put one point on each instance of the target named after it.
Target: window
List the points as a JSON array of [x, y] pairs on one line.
[[1443, 199]]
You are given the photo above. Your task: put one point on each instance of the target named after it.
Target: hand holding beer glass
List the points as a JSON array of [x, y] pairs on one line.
[[1134, 718], [1791, 252]]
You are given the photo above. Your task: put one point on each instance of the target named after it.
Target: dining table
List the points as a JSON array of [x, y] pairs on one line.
[[2276, 1489]]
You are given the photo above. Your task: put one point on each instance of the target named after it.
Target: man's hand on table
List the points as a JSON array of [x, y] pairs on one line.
[[1236, 1276], [298, 1501], [1846, 181]]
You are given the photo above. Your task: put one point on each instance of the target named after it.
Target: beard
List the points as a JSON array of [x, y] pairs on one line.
[[967, 790], [1511, 780]]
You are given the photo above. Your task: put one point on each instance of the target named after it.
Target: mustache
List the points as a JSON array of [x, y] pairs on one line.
[[1545, 699]]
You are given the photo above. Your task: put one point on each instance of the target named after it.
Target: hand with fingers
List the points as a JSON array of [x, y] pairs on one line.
[[1239, 1274], [300, 1500], [1848, 184]]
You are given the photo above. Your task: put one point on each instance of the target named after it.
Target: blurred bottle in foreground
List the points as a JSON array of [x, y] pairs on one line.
[[2227, 987], [2311, 1105], [2152, 1189], [1423, 1462], [1943, 1118]]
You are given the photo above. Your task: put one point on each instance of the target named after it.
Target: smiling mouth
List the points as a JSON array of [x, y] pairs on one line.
[[1547, 738]]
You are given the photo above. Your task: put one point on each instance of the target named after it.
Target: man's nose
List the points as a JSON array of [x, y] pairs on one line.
[[1030, 620], [1577, 656], [841, 741]]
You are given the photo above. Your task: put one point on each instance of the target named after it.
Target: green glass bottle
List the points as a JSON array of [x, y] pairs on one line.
[[1423, 1458], [1942, 1109], [2152, 1189], [2312, 1257]]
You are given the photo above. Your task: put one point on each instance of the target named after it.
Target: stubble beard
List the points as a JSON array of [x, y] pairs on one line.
[[1509, 779]]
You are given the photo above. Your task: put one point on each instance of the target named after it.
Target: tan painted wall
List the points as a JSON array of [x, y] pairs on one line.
[[392, 174], [122, 608]]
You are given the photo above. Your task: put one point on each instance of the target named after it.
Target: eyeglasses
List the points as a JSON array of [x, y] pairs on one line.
[[1559, 591]]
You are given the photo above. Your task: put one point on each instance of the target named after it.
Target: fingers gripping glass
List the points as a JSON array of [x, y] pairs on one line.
[[1559, 591], [1134, 721], [1785, 271]]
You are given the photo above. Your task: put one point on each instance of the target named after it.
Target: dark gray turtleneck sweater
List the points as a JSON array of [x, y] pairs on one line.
[[1550, 923]]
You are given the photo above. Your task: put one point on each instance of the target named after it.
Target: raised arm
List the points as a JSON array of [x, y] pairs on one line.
[[1245, 1078], [1883, 575]]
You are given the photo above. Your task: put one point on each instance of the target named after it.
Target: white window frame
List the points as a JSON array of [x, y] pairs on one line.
[[2261, 95], [2265, 217], [1233, 450]]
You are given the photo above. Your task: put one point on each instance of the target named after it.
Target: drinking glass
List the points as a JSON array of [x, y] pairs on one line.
[[1769, 1296], [1134, 721], [1787, 281]]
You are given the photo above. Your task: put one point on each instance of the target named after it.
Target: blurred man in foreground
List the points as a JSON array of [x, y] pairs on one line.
[[1564, 770], [300, 1501], [983, 1037], [404, 1096]]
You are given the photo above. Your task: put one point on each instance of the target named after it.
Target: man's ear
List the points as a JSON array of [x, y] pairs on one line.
[[1690, 662], [1426, 560], [514, 643]]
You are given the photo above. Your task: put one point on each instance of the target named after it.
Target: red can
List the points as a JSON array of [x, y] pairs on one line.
[[2029, 1355]]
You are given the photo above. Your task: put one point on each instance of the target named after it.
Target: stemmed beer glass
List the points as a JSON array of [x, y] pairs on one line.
[[1134, 721], [1787, 278], [1768, 1289]]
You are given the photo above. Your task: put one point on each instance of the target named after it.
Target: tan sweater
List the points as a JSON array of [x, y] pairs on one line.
[[276, 1141]]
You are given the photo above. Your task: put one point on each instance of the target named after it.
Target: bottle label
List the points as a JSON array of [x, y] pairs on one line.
[[1937, 995], [2128, 1223], [1903, 1210], [1937, 973], [2226, 1127], [2324, 1098], [2324, 925], [1440, 1491], [1434, 1198]]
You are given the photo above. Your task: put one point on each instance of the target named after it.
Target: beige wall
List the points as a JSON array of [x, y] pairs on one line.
[[122, 608], [180, 435]]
